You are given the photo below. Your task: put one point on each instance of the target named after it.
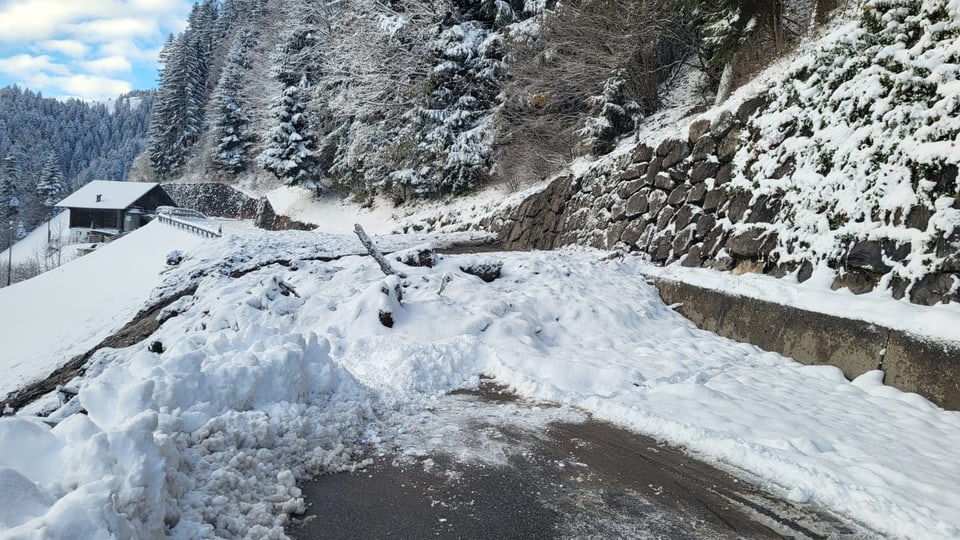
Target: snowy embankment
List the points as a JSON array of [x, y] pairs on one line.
[[66, 311], [257, 387]]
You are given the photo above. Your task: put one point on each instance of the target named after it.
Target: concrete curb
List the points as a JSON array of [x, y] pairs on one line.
[[912, 363]]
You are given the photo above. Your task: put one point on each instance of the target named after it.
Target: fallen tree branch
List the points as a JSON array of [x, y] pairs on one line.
[[375, 252]]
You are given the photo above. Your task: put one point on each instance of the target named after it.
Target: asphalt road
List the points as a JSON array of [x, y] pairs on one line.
[[487, 466]]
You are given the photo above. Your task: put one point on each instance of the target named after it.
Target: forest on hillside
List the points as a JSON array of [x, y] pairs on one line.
[[425, 98], [49, 147]]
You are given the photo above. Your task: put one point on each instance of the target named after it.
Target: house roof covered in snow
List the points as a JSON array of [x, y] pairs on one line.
[[107, 195]]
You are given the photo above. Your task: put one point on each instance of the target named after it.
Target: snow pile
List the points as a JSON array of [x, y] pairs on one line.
[[868, 122], [277, 366]]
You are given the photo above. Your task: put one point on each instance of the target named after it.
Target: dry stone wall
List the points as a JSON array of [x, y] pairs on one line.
[[674, 202]]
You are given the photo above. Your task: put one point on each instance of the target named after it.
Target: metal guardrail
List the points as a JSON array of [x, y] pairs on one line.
[[187, 226], [177, 212]]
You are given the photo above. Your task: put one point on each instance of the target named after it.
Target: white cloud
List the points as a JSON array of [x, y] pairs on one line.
[[110, 29], [108, 64], [69, 47], [90, 87], [25, 65], [81, 47]]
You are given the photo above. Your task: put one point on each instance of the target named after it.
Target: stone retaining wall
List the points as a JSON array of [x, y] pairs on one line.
[[674, 203]]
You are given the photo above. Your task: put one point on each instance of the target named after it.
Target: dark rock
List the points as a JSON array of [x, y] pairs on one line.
[[682, 240], [722, 124], [714, 199], [614, 233], [738, 206], [667, 146], [693, 258], [785, 169], [653, 170], [685, 216], [721, 263], [764, 210], [805, 272], [857, 282], [919, 217], [487, 270], [637, 204], [713, 241], [663, 246], [175, 257], [678, 195], [633, 172], [664, 217], [783, 269], [629, 188], [705, 147], [664, 182], [632, 231], [386, 318], [679, 150], [618, 212], [697, 193], [155, 347], [705, 224], [698, 129], [898, 286], [419, 257], [647, 237], [642, 153], [703, 170], [897, 252], [728, 146], [723, 175], [655, 201], [749, 107], [679, 174], [866, 256], [932, 289], [752, 243]]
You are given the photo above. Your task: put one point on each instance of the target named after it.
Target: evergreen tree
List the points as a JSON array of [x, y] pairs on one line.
[[9, 190], [231, 121], [50, 188], [179, 114], [611, 115], [290, 152]]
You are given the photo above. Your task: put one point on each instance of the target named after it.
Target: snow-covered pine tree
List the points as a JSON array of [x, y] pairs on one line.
[[611, 114], [231, 122], [179, 111], [9, 187], [456, 129], [290, 151], [50, 188]]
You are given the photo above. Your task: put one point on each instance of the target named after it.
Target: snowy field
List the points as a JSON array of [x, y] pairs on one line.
[[256, 389]]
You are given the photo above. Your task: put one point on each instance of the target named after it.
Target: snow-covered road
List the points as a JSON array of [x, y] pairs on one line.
[[256, 388]]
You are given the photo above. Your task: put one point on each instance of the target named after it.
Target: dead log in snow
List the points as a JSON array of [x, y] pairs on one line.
[[375, 252]]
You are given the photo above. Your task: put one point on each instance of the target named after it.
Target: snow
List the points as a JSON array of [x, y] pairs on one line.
[[256, 389], [66, 311]]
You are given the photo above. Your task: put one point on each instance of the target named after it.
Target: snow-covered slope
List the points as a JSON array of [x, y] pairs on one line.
[[256, 388], [65, 312]]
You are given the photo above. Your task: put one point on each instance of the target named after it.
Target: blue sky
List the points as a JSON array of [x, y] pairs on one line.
[[88, 49]]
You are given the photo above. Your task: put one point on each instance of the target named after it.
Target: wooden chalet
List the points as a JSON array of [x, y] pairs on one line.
[[103, 209]]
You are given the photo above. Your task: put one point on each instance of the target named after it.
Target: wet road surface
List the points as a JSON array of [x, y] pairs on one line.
[[485, 465]]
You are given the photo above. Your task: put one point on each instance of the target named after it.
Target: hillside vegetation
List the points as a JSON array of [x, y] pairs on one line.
[[48, 148], [423, 98]]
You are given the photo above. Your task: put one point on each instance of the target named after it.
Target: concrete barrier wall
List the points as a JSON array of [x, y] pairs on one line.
[[911, 363]]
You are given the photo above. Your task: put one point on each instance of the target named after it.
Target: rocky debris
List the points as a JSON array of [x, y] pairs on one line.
[[487, 270]]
